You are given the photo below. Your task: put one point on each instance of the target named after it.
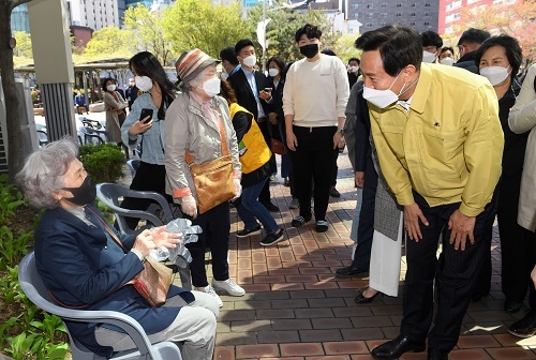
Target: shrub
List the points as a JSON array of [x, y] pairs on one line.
[[104, 162]]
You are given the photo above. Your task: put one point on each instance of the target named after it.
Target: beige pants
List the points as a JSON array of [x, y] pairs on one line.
[[194, 329]]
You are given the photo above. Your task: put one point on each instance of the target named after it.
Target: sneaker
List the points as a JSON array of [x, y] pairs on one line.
[[299, 221], [294, 203], [334, 192], [210, 291], [273, 177], [245, 232], [321, 226], [273, 238], [526, 327], [229, 286]]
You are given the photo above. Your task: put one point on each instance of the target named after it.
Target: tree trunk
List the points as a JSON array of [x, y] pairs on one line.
[[13, 114]]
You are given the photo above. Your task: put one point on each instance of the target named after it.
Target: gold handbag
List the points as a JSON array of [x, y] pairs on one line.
[[213, 180], [153, 282]]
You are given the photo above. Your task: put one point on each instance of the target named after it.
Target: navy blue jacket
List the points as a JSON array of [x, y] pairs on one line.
[[84, 267]]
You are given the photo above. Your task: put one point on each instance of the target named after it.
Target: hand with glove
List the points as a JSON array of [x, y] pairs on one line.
[[188, 206], [237, 188]]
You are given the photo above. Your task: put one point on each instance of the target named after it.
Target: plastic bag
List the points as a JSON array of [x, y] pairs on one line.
[[189, 235]]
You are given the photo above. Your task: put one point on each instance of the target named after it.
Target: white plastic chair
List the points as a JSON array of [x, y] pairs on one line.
[[32, 285]]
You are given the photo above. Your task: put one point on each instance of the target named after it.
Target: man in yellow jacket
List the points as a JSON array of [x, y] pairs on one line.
[[439, 141]]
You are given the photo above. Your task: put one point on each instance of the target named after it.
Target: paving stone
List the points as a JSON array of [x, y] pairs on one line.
[[257, 351], [279, 337], [302, 349]]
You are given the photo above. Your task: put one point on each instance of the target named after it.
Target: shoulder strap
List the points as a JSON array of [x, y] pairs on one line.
[[108, 230]]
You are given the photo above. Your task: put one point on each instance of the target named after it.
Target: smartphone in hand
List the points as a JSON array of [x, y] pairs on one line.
[[144, 113]]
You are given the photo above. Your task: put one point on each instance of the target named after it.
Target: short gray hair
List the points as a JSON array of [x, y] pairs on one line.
[[43, 174]]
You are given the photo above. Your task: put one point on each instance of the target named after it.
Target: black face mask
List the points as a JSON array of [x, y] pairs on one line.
[[309, 51], [83, 195]]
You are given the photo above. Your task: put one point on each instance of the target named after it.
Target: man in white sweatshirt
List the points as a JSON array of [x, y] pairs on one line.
[[314, 99]]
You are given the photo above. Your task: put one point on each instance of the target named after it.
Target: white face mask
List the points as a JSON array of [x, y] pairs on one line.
[[273, 72], [144, 83], [111, 87], [212, 87], [428, 57], [224, 75], [353, 69], [249, 61], [447, 61], [495, 74], [380, 98]]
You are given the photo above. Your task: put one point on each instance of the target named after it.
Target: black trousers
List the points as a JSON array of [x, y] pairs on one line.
[[264, 196], [365, 231], [313, 159], [216, 225], [456, 276], [149, 177], [518, 245]]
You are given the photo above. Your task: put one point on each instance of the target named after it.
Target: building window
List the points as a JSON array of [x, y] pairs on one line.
[[427, 5], [412, 23], [356, 15], [369, 25], [384, 15], [399, 5], [370, 6], [384, 5], [414, 5], [413, 14], [356, 6], [370, 15], [398, 14], [383, 24], [426, 23]]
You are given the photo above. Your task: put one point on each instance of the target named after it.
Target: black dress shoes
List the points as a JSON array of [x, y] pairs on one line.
[[437, 355], [526, 327], [349, 271], [362, 299], [394, 349], [511, 307]]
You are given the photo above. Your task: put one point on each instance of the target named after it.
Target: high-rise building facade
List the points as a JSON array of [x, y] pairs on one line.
[[372, 14], [94, 14], [19, 19]]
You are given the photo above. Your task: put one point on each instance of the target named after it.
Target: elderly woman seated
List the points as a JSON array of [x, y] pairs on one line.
[[84, 268]]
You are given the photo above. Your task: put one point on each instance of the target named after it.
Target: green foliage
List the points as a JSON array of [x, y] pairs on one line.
[[202, 24], [104, 162], [25, 331], [147, 32], [10, 200], [282, 27], [24, 45], [111, 41]]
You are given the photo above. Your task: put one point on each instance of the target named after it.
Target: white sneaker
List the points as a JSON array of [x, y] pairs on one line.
[[210, 291], [229, 286]]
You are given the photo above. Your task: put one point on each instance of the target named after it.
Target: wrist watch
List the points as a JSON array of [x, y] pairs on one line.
[[340, 131]]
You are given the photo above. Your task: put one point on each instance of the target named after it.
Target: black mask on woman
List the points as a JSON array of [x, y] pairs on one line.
[[83, 195], [309, 51]]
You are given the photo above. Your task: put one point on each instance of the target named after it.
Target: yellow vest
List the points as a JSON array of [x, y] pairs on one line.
[[253, 150]]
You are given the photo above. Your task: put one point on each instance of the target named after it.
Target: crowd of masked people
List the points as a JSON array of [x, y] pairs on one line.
[[441, 145]]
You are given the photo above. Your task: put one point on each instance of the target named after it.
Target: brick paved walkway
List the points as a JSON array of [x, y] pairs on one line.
[[295, 308]]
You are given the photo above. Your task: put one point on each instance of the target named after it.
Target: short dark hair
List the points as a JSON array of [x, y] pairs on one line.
[[431, 38], [328, 52], [278, 61], [311, 31], [354, 59], [105, 81], [511, 48], [447, 48], [399, 46], [242, 44], [473, 35], [228, 53]]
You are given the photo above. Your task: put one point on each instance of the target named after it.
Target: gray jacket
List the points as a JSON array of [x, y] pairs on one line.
[[187, 128]]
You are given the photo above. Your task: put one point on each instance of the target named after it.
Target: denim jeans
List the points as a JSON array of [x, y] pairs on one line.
[[250, 209]]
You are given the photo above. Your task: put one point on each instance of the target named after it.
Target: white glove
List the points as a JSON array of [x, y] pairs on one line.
[[188, 206], [237, 188]]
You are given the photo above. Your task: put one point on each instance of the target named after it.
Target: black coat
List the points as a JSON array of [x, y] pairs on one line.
[[244, 94]]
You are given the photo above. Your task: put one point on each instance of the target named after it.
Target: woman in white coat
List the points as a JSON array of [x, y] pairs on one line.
[[522, 118]]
